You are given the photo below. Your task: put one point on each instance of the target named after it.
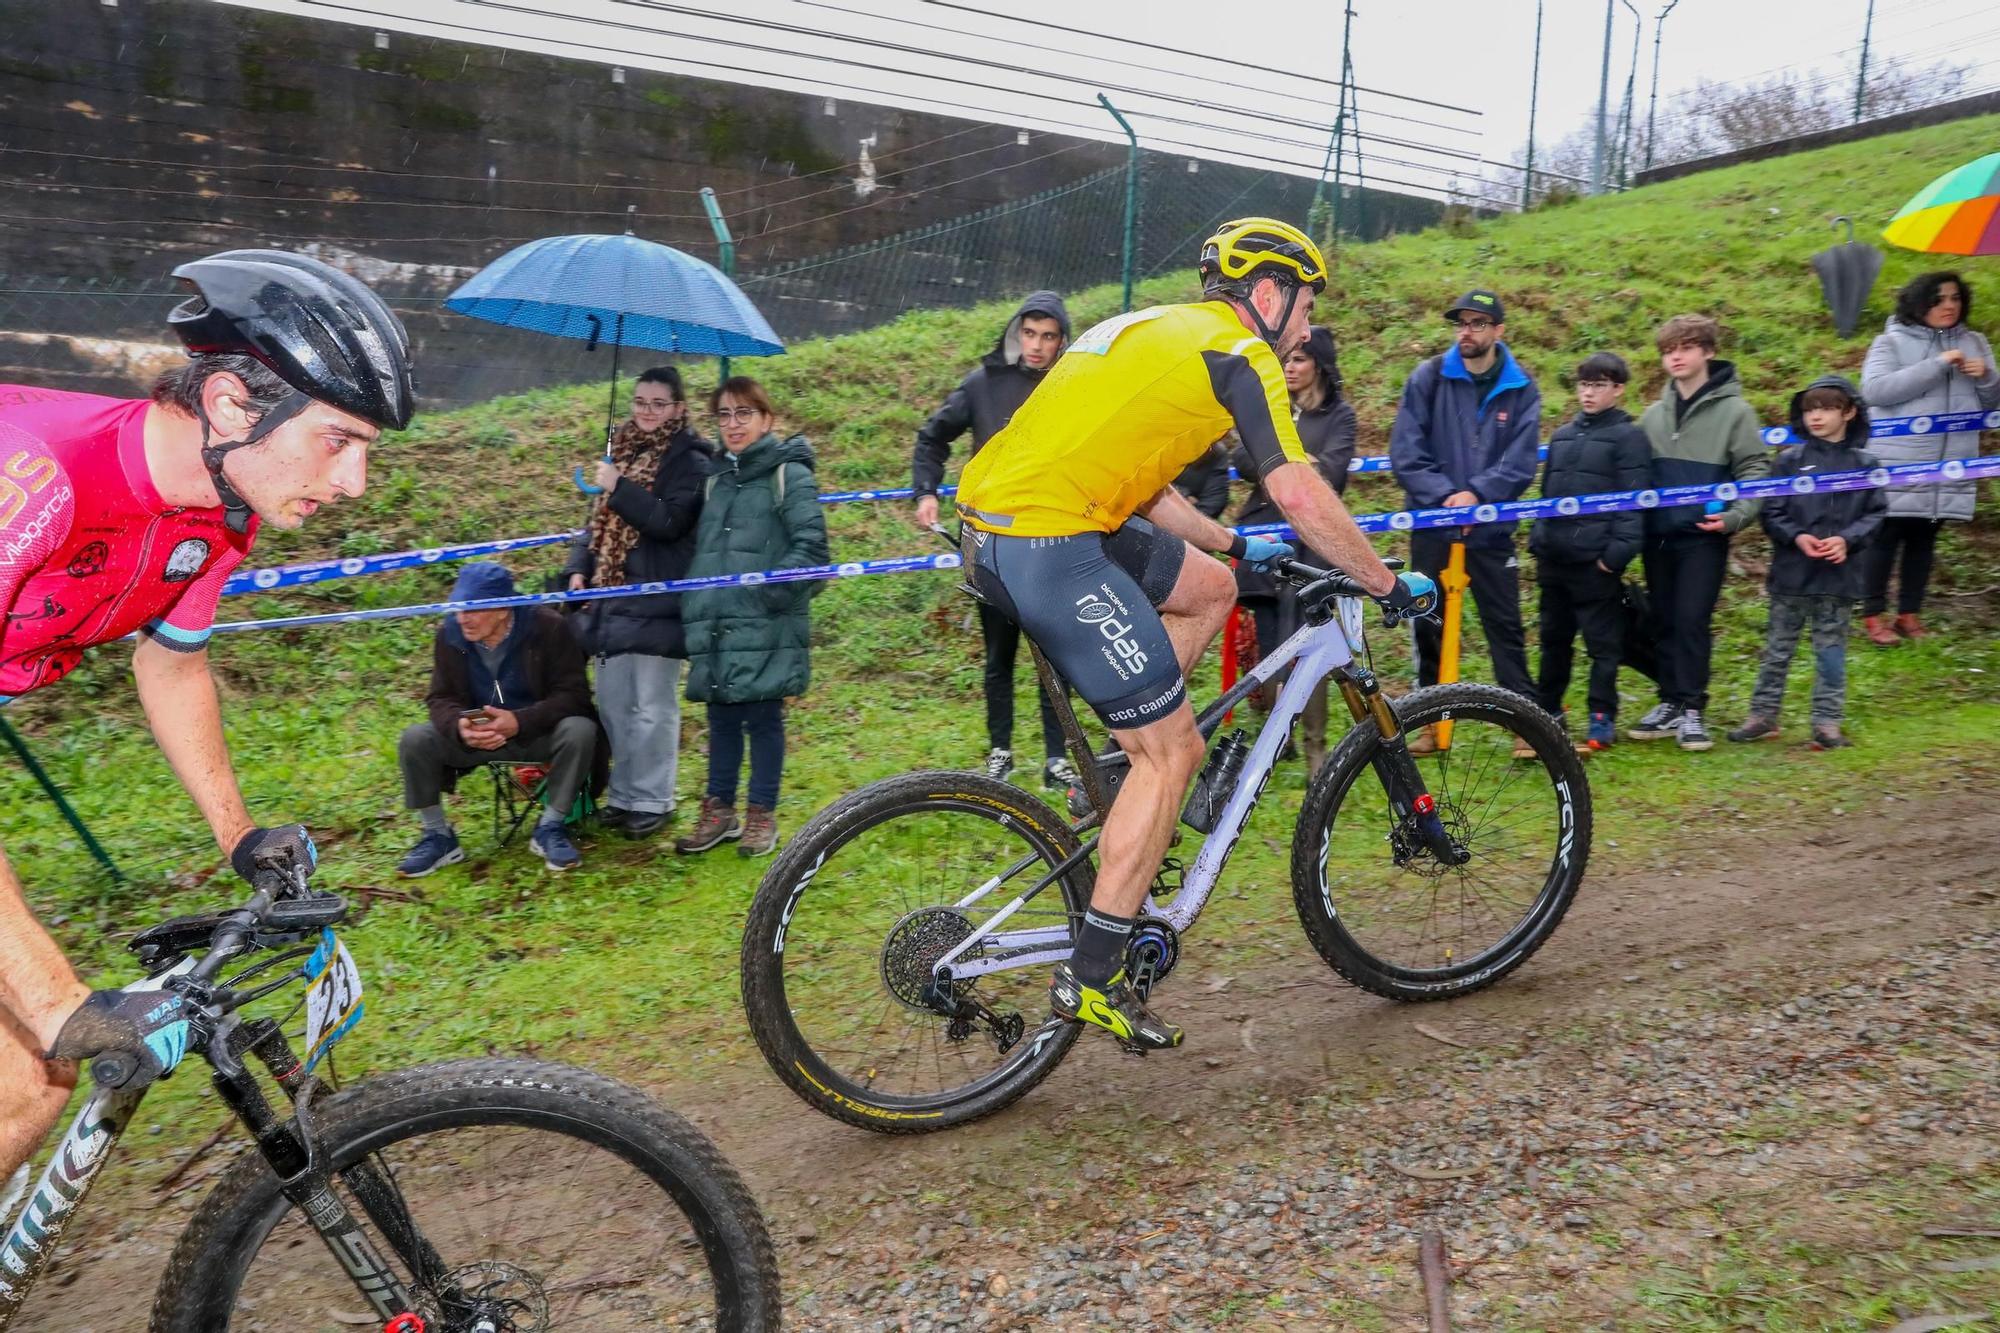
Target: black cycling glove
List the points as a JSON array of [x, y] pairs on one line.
[[1414, 596], [135, 1036], [284, 848]]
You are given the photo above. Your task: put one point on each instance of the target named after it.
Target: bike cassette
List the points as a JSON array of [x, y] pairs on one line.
[[1151, 954], [911, 953]]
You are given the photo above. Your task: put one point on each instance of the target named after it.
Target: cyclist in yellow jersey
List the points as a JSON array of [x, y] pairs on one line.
[[1074, 529]]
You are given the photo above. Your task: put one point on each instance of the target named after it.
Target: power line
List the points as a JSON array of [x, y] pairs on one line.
[[1220, 60]]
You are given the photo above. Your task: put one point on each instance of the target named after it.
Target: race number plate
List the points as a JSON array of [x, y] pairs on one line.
[[333, 996]]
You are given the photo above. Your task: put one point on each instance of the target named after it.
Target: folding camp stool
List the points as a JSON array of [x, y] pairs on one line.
[[520, 789]]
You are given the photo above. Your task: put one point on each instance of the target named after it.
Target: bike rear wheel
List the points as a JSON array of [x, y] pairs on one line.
[[851, 918], [572, 1199], [1394, 919]]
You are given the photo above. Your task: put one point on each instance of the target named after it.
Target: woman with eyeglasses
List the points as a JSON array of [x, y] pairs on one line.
[[1924, 362], [748, 645], [641, 529]]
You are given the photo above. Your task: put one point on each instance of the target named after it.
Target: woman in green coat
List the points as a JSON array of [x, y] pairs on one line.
[[749, 646]]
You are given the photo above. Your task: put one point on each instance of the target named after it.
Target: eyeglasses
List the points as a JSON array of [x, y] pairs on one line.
[[1473, 325], [1599, 385], [742, 414], [651, 404]]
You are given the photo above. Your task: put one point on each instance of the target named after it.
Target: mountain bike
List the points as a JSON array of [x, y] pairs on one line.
[[475, 1196], [895, 964]]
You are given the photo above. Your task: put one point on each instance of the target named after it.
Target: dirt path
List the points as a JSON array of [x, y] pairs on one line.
[[1748, 1016]]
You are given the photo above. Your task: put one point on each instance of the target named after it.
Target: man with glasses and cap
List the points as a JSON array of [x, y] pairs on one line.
[[1467, 433]]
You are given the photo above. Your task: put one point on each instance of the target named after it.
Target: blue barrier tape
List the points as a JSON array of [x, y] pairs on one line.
[[318, 571], [1568, 506]]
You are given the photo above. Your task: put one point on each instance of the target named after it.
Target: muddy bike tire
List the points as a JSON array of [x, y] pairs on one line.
[[1346, 789], [198, 1293], [817, 1080]]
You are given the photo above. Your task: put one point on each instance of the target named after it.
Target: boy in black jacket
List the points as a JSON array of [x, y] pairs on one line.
[[1814, 579], [1579, 560]]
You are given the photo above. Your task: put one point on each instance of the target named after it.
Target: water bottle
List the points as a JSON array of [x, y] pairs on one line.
[[1217, 781]]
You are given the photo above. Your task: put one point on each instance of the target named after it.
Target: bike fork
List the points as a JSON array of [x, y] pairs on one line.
[[303, 1180], [1410, 800]]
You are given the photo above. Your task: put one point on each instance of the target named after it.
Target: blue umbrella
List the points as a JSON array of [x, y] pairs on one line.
[[619, 289]]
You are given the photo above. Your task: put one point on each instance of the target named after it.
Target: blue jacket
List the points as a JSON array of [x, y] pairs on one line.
[[1445, 440]]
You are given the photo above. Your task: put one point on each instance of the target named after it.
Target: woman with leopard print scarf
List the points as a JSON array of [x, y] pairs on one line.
[[642, 530]]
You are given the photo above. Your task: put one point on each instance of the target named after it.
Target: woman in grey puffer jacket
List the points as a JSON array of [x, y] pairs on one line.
[[1925, 362]]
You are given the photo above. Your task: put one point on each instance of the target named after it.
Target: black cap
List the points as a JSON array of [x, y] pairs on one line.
[[1478, 301]]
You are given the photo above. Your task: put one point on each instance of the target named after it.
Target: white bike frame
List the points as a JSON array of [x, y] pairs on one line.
[[1319, 650]]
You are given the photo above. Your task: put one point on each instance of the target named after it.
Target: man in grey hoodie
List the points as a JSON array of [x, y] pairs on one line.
[[984, 401]]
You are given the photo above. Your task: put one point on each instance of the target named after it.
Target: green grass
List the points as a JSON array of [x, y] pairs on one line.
[[636, 952]]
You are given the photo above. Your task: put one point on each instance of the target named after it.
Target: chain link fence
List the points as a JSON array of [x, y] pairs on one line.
[[107, 336]]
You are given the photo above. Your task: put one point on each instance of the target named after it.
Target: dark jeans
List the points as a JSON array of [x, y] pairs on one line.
[[1825, 618], [1579, 596], [424, 756], [1918, 538], [1496, 591], [1003, 641], [763, 723], [1684, 578]]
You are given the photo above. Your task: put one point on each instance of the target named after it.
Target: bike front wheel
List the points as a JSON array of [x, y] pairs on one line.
[[852, 920], [560, 1197], [1391, 917]]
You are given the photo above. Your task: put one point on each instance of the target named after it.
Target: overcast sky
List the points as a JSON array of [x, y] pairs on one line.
[[1448, 82]]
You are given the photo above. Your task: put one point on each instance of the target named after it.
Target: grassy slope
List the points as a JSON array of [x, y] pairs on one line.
[[640, 947]]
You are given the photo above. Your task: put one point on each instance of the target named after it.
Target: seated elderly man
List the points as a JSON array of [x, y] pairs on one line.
[[507, 686]]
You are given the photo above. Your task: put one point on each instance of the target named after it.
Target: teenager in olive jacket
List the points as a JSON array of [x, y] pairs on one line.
[[749, 647], [1703, 431]]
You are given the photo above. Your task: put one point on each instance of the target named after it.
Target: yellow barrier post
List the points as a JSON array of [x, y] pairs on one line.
[[1455, 583]]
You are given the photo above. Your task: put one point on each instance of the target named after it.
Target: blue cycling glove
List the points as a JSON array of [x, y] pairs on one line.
[[1414, 596], [1260, 553]]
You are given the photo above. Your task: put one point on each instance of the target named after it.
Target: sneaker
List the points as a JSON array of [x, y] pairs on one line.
[[1661, 722], [1827, 736], [1059, 774], [717, 825], [1603, 733], [1756, 728], [552, 842], [999, 763], [434, 851], [1117, 1009], [1693, 735], [644, 823], [612, 816], [760, 832]]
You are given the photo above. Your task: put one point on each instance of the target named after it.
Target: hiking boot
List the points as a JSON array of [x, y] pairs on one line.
[[1693, 735], [1423, 740], [1661, 722], [1756, 728], [644, 823], [1910, 627], [1826, 736], [999, 763], [717, 825], [1603, 733], [1117, 1009], [1523, 749], [760, 832], [434, 851], [1879, 631], [1059, 774], [551, 842]]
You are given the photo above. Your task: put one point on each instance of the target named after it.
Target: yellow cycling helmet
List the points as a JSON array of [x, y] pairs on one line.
[[1251, 248]]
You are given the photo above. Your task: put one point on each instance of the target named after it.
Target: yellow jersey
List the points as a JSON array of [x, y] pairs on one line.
[[1131, 403]]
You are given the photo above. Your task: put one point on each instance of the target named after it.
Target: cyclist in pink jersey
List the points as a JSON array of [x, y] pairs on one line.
[[125, 516]]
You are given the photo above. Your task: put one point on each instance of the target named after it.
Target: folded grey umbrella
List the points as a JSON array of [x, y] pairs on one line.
[[1846, 275]]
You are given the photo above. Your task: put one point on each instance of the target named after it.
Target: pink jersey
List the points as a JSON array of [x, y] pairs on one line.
[[88, 550]]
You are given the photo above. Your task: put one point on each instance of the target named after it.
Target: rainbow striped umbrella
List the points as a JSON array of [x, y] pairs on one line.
[[1956, 214]]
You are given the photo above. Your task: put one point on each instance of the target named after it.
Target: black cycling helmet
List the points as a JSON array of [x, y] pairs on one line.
[[319, 330]]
